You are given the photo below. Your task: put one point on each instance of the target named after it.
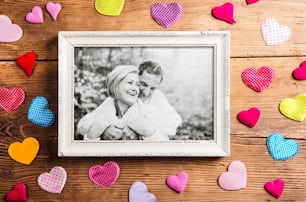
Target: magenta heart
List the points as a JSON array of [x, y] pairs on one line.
[[178, 182], [249, 117], [166, 14], [258, 80], [251, 1], [106, 175], [224, 12], [299, 73], [54, 9], [276, 187], [11, 99], [54, 181], [235, 178], [139, 193], [35, 16]]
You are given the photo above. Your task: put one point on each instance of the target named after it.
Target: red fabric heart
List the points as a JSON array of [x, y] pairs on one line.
[[251, 1], [26, 62], [276, 187], [299, 73], [18, 193], [258, 80], [11, 99], [224, 12], [249, 117]]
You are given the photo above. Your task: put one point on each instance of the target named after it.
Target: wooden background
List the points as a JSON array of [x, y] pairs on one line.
[[248, 145]]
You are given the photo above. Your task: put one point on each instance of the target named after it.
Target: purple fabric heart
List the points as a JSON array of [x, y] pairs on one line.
[[139, 193], [166, 14]]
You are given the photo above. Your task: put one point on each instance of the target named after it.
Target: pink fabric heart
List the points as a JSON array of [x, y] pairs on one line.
[[224, 12], [251, 1], [299, 73], [178, 182], [276, 187], [11, 99], [249, 117], [273, 33], [106, 175], [166, 14], [36, 16], [235, 178], [258, 80], [54, 181], [54, 9], [9, 32]]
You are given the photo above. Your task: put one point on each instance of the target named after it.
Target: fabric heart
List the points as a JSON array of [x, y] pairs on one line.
[[281, 149], [294, 109], [235, 178], [54, 181], [299, 73], [24, 152], [273, 33], [53, 9], [258, 80], [9, 32], [11, 99], [139, 193], [106, 175], [251, 1], [18, 193], [35, 16], [249, 117], [27, 62], [166, 14], [109, 7], [276, 187], [224, 12], [177, 182], [39, 112]]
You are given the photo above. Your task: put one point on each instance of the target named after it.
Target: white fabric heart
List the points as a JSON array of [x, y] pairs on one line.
[[273, 33]]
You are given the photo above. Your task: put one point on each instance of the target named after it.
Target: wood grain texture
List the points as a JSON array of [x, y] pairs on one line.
[[248, 145]]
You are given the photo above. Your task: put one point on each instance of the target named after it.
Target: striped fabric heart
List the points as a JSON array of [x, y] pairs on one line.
[[258, 79], [11, 99]]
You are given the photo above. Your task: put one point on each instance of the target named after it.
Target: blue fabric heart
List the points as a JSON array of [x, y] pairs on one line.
[[280, 148], [39, 112]]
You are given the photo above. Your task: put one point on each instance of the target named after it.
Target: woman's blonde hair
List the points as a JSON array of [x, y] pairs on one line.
[[116, 76]]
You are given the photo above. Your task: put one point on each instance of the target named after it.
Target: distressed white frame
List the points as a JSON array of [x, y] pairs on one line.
[[218, 40]]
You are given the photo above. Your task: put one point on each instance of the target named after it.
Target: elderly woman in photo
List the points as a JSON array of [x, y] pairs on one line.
[[123, 112]]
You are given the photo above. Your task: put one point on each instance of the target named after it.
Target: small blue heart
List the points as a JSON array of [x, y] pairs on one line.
[[280, 148], [39, 112]]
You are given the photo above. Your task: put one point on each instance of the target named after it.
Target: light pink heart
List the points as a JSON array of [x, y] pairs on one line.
[[54, 9], [9, 32], [235, 178], [54, 181], [35, 16], [105, 175], [178, 182], [273, 33], [11, 99]]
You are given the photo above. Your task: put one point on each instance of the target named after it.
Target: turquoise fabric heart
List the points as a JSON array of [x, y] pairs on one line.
[[280, 148], [39, 112]]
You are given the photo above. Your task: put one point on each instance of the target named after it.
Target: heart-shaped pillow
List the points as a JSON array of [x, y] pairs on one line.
[[178, 182], [139, 193], [11, 99], [9, 32], [294, 109], [18, 193], [275, 188], [280, 148], [299, 73], [249, 117], [235, 178], [24, 152], [105, 175], [224, 12], [54, 181], [258, 79], [27, 62], [273, 33], [166, 14], [39, 112]]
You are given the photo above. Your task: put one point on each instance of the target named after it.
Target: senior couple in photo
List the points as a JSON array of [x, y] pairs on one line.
[[135, 110]]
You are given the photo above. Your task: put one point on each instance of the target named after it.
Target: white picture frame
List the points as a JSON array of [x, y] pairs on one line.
[[216, 42]]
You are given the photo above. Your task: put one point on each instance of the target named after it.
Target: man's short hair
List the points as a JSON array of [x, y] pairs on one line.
[[152, 68]]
